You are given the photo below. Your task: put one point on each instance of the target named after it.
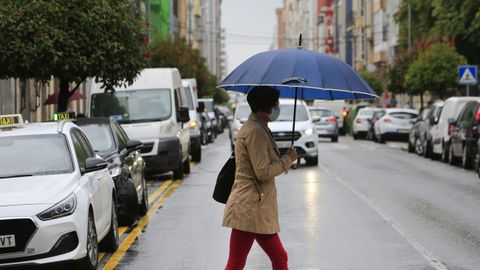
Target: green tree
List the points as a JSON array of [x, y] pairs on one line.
[[459, 19], [435, 70], [180, 54], [396, 73], [373, 79], [421, 17], [71, 40]]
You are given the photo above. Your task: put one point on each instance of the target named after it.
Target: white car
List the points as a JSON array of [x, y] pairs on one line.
[[361, 123], [242, 112], [396, 123], [57, 198], [305, 136]]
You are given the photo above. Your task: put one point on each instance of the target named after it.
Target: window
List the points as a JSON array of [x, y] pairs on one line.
[[121, 137], [82, 148]]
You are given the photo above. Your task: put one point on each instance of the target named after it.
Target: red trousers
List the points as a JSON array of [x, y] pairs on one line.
[[241, 242]]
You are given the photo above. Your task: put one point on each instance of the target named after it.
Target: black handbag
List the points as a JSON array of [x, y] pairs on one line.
[[225, 180]]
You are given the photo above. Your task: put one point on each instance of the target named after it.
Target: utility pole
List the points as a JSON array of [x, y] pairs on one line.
[[410, 96]]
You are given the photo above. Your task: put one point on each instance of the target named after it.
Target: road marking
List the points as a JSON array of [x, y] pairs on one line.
[[153, 197], [435, 263], [133, 235]]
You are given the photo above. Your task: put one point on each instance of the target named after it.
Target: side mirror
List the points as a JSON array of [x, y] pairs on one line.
[[94, 164], [183, 115], [133, 145], [201, 107]]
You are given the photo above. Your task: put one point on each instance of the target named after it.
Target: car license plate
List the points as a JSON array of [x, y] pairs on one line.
[[284, 144], [7, 241], [404, 130]]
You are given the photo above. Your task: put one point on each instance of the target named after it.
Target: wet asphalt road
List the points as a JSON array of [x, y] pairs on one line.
[[366, 206]]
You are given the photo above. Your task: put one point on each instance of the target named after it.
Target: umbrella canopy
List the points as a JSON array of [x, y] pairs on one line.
[[53, 98], [316, 75]]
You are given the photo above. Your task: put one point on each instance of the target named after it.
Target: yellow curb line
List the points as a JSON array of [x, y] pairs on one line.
[[133, 235], [151, 199]]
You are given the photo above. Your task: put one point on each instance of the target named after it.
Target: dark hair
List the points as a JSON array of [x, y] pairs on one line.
[[262, 98]]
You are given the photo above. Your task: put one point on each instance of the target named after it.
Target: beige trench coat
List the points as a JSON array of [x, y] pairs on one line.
[[250, 207]]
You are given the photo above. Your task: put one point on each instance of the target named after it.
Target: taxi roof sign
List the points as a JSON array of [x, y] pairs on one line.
[[11, 120], [64, 116]]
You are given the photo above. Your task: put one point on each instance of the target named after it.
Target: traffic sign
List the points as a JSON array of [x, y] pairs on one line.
[[467, 75]]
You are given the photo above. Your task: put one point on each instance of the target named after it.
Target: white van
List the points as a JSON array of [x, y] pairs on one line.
[[190, 94], [153, 111], [440, 134]]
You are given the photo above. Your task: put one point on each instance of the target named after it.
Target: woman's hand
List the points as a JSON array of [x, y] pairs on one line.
[[292, 153]]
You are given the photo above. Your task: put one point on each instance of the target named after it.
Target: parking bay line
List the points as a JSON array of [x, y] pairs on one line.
[[152, 198], [133, 235], [435, 263]]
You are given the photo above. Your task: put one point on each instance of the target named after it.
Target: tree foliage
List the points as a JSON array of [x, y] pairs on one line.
[[373, 79], [396, 73], [435, 70], [455, 19], [70, 40], [180, 54]]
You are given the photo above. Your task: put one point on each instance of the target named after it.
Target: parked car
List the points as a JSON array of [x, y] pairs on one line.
[[241, 115], [339, 109], [464, 135], [194, 124], [125, 164], [352, 113], [420, 139], [152, 111], [326, 124], [415, 130], [305, 137], [371, 127], [213, 115], [395, 124], [440, 135], [57, 197], [208, 128], [362, 122]]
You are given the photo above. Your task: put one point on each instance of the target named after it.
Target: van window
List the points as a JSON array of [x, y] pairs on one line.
[[133, 105], [189, 98]]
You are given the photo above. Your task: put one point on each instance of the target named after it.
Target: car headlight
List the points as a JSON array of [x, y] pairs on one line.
[[63, 208], [115, 171], [193, 124], [308, 131]]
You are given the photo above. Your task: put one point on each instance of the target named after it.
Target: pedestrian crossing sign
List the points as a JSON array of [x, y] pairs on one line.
[[467, 75]]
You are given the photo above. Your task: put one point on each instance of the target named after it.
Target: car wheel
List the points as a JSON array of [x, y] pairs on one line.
[[334, 138], [354, 135], [427, 150], [419, 147], [411, 147], [445, 152], [381, 138], [197, 154], [186, 166], [178, 172], [312, 161], [466, 159], [111, 241], [129, 198], [90, 261], [452, 160], [143, 209]]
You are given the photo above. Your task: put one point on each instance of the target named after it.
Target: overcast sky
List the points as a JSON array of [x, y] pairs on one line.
[[249, 26]]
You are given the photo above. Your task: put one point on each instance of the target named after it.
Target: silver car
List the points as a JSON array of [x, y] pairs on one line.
[[326, 124]]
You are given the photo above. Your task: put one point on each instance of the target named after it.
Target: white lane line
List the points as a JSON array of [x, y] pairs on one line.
[[435, 263]]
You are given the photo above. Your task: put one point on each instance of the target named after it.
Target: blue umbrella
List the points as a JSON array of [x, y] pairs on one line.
[[299, 73]]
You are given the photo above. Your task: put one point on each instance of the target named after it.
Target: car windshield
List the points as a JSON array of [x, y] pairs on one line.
[[208, 105], [133, 105], [286, 113], [403, 115], [320, 113], [99, 135], [34, 155], [242, 112]]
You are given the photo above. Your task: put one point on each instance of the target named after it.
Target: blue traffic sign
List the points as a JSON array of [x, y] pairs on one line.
[[467, 75]]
